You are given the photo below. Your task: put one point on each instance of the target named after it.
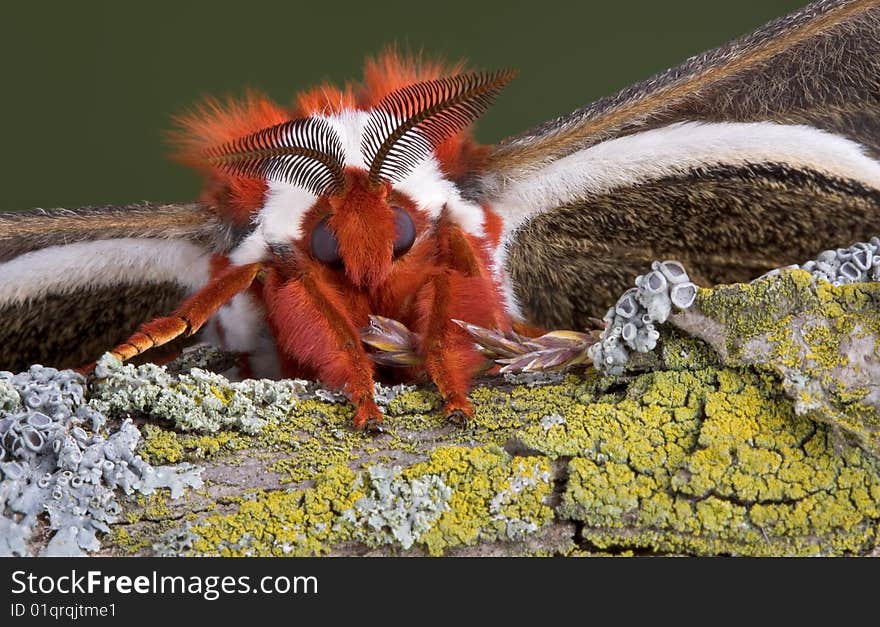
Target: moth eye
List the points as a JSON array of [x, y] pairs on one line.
[[325, 246], [405, 232]]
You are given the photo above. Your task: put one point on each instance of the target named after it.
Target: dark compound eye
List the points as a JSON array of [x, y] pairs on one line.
[[404, 232], [325, 246]]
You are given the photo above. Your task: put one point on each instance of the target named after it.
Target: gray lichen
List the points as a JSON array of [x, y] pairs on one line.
[[206, 402], [175, 542], [397, 510], [632, 320], [857, 264], [56, 458]]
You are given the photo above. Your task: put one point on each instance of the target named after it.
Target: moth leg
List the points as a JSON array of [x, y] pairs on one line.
[[463, 290], [189, 317], [449, 355], [315, 325]]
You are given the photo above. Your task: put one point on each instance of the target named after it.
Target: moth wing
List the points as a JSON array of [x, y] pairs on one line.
[[755, 155], [74, 283]]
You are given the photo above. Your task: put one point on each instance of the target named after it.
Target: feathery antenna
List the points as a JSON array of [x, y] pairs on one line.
[[306, 152], [409, 123]]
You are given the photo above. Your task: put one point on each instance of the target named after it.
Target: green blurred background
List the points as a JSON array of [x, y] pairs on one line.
[[89, 87]]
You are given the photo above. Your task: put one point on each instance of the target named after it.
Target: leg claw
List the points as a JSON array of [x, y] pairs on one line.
[[457, 417], [374, 426], [368, 418]]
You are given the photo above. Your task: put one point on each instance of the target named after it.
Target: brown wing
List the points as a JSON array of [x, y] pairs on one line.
[[23, 231], [74, 283], [819, 66], [756, 155], [726, 224]]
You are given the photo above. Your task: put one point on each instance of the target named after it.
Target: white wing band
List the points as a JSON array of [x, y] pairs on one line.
[[102, 263]]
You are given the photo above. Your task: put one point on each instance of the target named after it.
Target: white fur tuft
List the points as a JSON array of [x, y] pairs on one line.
[[244, 330], [432, 192], [677, 148], [102, 263], [280, 219], [350, 125], [508, 296]]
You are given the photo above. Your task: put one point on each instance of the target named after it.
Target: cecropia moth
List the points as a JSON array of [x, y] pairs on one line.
[[374, 199]]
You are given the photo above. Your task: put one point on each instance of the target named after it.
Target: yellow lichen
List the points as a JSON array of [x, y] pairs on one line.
[[492, 497], [705, 461], [693, 459], [278, 522], [164, 446], [128, 542], [160, 446], [154, 507], [743, 475], [820, 339]]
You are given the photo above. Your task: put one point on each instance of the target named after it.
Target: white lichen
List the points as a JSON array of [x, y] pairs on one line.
[[58, 459], [857, 264], [397, 510], [551, 420], [632, 321], [206, 402]]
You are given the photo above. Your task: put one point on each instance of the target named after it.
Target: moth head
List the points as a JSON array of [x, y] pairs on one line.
[[355, 182], [363, 230]]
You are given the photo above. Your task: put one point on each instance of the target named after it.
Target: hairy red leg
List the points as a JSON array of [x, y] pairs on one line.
[[463, 290], [189, 317], [314, 323], [449, 355]]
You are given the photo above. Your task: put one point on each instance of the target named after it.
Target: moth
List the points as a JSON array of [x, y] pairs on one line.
[[374, 198]]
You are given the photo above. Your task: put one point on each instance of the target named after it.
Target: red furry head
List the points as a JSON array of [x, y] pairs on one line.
[[416, 110]]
